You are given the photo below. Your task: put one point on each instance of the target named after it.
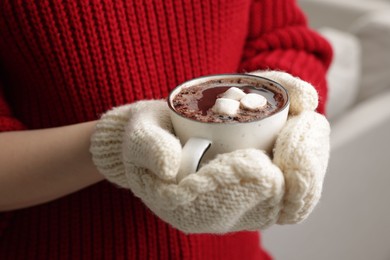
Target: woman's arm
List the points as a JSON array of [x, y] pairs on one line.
[[38, 166]]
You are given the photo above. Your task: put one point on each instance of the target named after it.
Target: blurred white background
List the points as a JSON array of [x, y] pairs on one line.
[[352, 220]]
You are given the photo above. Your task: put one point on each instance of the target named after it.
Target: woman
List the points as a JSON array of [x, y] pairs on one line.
[[64, 63]]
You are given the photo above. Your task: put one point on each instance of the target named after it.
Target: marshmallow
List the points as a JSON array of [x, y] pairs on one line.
[[225, 106], [253, 101], [234, 93]]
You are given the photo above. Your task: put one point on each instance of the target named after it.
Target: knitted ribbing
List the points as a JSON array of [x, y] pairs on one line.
[[64, 62]]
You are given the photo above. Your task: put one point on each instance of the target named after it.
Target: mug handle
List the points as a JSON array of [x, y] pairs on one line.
[[192, 153]]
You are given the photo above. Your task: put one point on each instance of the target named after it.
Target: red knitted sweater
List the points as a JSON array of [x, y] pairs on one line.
[[64, 62]]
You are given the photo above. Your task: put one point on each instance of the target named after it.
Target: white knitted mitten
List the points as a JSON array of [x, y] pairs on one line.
[[302, 148], [243, 190], [138, 134]]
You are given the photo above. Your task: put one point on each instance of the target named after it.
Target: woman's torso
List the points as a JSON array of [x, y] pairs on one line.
[[64, 62]]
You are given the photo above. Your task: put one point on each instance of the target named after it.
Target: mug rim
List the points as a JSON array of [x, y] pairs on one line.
[[280, 86]]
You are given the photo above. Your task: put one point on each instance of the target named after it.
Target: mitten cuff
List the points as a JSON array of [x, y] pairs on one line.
[[106, 144]]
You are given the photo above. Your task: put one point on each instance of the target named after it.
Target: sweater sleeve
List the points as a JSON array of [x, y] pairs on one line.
[[7, 121], [279, 39]]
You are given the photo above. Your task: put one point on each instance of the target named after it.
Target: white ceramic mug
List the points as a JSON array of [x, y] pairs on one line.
[[202, 141]]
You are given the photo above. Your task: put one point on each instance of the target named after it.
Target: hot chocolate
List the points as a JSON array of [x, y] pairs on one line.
[[221, 102], [219, 114]]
